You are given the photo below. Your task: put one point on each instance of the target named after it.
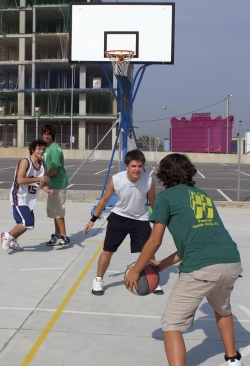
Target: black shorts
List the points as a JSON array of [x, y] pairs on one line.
[[119, 227]]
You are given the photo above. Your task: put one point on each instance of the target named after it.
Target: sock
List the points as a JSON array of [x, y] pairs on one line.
[[237, 357]]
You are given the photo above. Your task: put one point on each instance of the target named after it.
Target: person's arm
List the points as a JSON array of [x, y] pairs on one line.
[[151, 194], [148, 251], [167, 262], [46, 189], [21, 179], [101, 205], [52, 172]]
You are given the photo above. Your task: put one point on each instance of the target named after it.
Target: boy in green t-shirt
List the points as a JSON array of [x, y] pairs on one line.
[[210, 261], [54, 162]]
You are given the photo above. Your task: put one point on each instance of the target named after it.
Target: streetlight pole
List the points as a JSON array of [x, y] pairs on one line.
[[239, 156], [165, 131], [227, 99], [71, 113]]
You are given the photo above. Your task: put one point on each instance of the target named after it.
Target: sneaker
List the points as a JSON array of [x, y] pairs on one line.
[[97, 288], [158, 290], [61, 241], [5, 240], [234, 361], [52, 240], [15, 246]]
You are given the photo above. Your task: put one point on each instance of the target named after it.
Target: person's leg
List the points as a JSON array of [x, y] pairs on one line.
[[226, 329], [175, 348], [18, 230], [103, 263], [60, 226]]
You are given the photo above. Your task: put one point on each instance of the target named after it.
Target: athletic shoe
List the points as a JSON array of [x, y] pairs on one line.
[[97, 288], [234, 361], [6, 238], [15, 246], [52, 240], [61, 241], [158, 290]]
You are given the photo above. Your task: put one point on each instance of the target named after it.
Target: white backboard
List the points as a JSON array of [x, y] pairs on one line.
[[145, 28]]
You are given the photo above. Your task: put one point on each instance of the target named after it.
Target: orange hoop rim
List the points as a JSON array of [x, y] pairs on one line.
[[120, 55]]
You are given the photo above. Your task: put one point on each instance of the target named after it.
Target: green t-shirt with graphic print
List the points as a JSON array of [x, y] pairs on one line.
[[53, 158], [196, 227]]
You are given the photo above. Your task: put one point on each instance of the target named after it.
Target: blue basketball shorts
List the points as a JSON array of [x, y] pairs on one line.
[[23, 215]]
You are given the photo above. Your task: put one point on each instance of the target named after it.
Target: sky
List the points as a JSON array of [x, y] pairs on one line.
[[211, 61]]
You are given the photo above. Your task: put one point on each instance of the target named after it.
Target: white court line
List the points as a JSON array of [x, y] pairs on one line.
[[37, 269], [201, 174], [8, 168], [246, 310], [114, 271], [69, 166], [104, 170], [70, 185], [110, 314], [1, 182], [152, 171], [223, 164], [224, 195], [244, 173]]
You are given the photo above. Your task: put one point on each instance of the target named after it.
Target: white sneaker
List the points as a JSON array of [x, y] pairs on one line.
[[15, 246], [158, 290], [234, 361], [5, 240], [97, 288]]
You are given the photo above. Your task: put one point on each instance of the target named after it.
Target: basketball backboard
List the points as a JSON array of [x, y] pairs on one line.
[[147, 29]]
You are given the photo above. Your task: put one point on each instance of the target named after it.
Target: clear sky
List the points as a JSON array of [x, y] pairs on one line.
[[212, 60]]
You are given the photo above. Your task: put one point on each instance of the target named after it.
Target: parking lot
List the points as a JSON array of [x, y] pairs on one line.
[[220, 181]]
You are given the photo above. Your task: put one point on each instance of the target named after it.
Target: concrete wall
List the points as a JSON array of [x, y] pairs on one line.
[[12, 152]]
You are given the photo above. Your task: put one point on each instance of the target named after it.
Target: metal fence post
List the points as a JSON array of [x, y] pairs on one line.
[[239, 158]]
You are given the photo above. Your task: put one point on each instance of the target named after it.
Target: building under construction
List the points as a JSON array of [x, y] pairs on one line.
[[38, 84]]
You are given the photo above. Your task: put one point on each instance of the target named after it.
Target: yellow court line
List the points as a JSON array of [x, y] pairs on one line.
[[59, 311]]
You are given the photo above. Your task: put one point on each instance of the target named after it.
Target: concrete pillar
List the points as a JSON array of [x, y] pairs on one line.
[[82, 134], [20, 133], [82, 95]]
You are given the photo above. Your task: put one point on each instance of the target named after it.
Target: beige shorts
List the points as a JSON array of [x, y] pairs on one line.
[[214, 282], [56, 204]]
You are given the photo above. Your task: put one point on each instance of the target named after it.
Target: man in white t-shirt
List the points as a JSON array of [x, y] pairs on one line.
[[129, 214]]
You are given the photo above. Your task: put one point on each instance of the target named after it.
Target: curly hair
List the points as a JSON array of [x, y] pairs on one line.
[[176, 169], [134, 155], [34, 144], [50, 129]]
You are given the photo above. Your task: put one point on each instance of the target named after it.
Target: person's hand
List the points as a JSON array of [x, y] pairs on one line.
[[88, 227], [157, 264], [44, 178], [131, 278], [51, 193]]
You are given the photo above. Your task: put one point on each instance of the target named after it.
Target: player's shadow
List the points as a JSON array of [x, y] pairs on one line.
[[203, 351], [75, 239]]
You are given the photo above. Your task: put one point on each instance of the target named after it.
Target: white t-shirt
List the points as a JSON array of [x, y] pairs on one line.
[[26, 194], [131, 196]]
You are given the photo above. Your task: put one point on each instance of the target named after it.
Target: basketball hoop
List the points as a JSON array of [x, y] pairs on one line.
[[120, 60]]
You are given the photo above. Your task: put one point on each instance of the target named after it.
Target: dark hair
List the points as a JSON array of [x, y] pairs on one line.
[[134, 155], [49, 128], [176, 169], [34, 144]]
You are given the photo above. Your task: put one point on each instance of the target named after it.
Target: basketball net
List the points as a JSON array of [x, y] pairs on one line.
[[120, 60]]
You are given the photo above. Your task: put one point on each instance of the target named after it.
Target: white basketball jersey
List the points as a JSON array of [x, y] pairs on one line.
[[26, 194], [131, 196]]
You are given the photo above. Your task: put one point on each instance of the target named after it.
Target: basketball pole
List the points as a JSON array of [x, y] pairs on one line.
[[126, 122]]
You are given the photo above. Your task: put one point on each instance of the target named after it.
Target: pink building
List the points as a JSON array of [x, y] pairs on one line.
[[201, 134]]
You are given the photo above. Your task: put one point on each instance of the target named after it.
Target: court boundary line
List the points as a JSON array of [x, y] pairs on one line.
[[34, 349]]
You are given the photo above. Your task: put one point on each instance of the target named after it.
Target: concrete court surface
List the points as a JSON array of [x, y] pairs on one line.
[[48, 315]]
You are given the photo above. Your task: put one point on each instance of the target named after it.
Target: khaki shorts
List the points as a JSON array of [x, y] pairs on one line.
[[56, 204], [214, 282]]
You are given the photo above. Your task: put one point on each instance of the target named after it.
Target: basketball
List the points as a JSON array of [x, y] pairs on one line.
[[148, 280]]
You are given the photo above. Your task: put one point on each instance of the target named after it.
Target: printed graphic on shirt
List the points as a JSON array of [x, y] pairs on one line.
[[202, 207]]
